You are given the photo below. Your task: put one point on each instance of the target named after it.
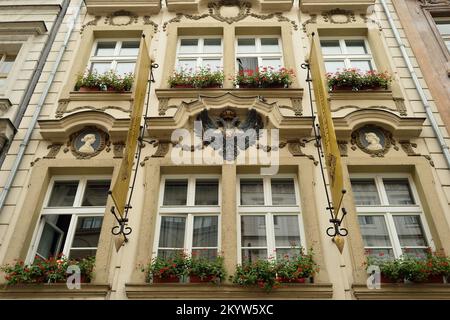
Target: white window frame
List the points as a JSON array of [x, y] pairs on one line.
[[76, 211], [389, 211], [189, 211], [269, 211], [445, 36], [115, 58], [199, 55], [259, 54], [345, 56]]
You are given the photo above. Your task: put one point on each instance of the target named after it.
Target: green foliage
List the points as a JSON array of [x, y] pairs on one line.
[[46, 270], [109, 80], [266, 77], [267, 274], [414, 268], [201, 78], [355, 80], [203, 267]]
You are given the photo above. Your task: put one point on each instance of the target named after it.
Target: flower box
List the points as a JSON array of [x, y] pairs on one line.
[[355, 80], [108, 81], [88, 89], [266, 77], [288, 280], [200, 78]]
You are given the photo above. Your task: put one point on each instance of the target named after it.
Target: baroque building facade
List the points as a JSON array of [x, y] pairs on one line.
[[253, 202]]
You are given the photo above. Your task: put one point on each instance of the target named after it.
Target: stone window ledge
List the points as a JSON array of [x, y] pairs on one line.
[[100, 96], [212, 291], [194, 93], [99, 7], [403, 291], [361, 95], [54, 291], [321, 5]]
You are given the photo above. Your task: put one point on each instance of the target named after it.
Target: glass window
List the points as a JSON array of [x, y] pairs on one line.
[[283, 192], [398, 191], [253, 234], [252, 192], [119, 56], [175, 193], [258, 52], [270, 45], [199, 52], [105, 49], [388, 231], [365, 192], [246, 45], [75, 232], [129, 48], [339, 54], [63, 194], [205, 236], [207, 192]]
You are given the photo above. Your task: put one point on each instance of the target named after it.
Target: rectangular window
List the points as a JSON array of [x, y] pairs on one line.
[[339, 54], [443, 26], [194, 53], [389, 216], [269, 217], [6, 64], [116, 55], [258, 52], [189, 216], [71, 218]]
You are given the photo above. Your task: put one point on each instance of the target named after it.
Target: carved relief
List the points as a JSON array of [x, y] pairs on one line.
[[401, 108], [343, 150], [433, 2], [339, 16], [53, 150], [297, 106], [121, 18], [88, 142], [295, 148], [230, 12], [366, 20], [118, 149], [312, 20], [5, 104], [373, 140], [408, 148], [90, 23], [63, 104], [147, 21], [163, 148]]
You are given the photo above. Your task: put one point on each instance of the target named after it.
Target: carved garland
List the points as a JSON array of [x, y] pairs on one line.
[[244, 12], [132, 18], [328, 16]]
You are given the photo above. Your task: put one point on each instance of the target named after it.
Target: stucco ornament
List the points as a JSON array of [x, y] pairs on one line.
[[373, 140], [88, 142], [228, 134]]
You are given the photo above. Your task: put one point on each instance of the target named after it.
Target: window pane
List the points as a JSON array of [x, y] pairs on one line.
[[81, 254], [207, 192], [384, 254], [286, 252], [410, 231], [365, 192], [363, 65], [330, 47], [63, 194], [209, 254], [270, 45], [252, 192], [212, 46], [251, 255], [283, 192], [374, 231], [167, 253], [87, 232], [416, 252], [129, 48], [50, 242], [398, 191], [443, 27], [189, 46], [125, 67], [96, 193], [7, 64], [172, 232], [101, 67], [205, 232], [245, 64], [213, 64], [356, 46], [334, 66], [188, 65], [276, 63], [253, 231], [175, 193], [246, 46], [105, 49], [287, 232]]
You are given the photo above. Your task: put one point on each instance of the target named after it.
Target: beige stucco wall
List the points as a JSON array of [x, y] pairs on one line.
[[119, 268]]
